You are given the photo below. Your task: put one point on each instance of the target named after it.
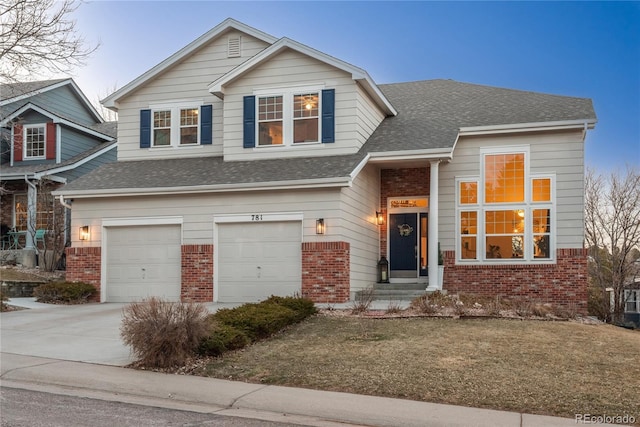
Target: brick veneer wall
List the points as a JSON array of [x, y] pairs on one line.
[[83, 265], [197, 273], [563, 283], [400, 183], [326, 271]]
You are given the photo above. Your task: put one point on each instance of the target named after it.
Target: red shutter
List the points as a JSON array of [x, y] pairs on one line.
[[50, 149], [17, 143]]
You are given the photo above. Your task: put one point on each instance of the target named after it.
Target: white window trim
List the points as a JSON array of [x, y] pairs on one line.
[[175, 107], [528, 205], [287, 93], [627, 293], [24, 141]]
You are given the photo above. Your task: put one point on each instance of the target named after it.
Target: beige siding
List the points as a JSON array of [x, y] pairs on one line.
[[369, 116], [559, 153], [359, 205], [187, 80], [197, 211], [288, 69]]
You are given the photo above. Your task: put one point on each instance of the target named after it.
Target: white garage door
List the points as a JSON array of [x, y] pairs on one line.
[[143, 261], [256, 260]]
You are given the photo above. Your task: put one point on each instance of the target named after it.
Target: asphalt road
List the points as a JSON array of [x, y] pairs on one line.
[[26, 408]]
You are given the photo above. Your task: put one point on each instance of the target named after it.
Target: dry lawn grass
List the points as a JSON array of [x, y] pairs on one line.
[[554, 368]]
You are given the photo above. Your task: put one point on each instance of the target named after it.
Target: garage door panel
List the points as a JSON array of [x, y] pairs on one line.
[[143, 261], [258, 260]]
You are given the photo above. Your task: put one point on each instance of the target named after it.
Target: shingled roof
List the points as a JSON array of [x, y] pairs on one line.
[[430, 116], [431, 112]]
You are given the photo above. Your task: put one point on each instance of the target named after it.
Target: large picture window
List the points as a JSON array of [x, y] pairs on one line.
[[510, 220]]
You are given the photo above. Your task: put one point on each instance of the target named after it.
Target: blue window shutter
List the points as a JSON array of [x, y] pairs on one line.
[[206, 124], [328, 115], [249, 122], [145, 128]]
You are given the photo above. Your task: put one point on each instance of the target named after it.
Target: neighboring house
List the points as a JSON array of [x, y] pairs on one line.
[[250, 165], [632, 303], [51, 135]]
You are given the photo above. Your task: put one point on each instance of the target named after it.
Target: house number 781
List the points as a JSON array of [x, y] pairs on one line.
[[257, 217]]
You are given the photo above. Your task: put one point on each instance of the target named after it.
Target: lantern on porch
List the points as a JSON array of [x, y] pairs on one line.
[[383, 270]]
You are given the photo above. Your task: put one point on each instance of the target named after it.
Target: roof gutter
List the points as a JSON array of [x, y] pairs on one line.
[[434, 153], [223, 188], [526, 127]]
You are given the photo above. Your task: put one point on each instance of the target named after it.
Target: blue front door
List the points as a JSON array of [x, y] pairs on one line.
[[403, 245]]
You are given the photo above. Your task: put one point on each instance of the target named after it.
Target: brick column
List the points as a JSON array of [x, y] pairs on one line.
[[84, 265], [197, 273], [326, 271]]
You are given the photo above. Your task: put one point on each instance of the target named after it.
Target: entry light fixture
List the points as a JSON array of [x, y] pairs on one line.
[[320, 226], [84, 232], [379, 218]]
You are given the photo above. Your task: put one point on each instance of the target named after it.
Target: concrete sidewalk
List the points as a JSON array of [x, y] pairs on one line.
[[275, 403]]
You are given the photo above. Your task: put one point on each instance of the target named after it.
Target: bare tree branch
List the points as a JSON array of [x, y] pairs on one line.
[[612, 231], [38, 36]]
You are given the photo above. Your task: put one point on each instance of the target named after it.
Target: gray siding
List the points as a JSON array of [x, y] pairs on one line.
[[62, 101], [74, 143], [109, 156]]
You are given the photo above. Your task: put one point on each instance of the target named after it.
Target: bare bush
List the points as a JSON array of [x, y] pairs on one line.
[[363, 301], [163, 334]]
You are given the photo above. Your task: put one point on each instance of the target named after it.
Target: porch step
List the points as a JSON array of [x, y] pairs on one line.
[[395, 291]]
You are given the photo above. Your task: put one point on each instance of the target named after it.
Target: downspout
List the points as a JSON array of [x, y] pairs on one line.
[[67, 220], [32, 195]]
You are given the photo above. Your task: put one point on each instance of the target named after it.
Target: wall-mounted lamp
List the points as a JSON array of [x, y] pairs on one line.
[[320, 226], [84, 232], [379, 218]]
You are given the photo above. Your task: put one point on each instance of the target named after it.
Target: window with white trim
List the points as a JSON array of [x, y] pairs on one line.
[[34, 141], [632, 301], [287, 118], [175, 126], [504, 215]]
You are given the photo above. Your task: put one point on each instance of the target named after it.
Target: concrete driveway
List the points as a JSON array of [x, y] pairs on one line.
[[82, 333]]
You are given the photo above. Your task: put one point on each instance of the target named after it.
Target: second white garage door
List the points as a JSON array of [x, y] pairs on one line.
[[143, 261], [256, 260]]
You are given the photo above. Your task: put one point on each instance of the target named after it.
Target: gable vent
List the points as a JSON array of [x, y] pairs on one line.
[[233, 47]]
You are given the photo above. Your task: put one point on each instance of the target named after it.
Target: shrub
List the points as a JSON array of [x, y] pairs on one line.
[[222, 338], [64, 292], [424, 305], [161, 333], [257, 321], [303, 307], [363, 301]]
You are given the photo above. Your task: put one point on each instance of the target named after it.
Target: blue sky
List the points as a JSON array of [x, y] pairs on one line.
[[583, 49]]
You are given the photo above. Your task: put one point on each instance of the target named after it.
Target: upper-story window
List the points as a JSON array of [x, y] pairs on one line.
[[290, 118], [176, 125], [505, 214], [34, 141]]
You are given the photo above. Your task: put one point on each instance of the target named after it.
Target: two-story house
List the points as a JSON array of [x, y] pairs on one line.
[[51, 135], [250, 165]]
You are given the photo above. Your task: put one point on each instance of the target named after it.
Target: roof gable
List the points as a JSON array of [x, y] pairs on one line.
[[357, 74], [111, 101], [14, 92], [56, 118]]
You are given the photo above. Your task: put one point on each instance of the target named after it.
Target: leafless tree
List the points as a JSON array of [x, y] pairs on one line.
[[52, 217], [108, 115], [39, 37], [612, 231]]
